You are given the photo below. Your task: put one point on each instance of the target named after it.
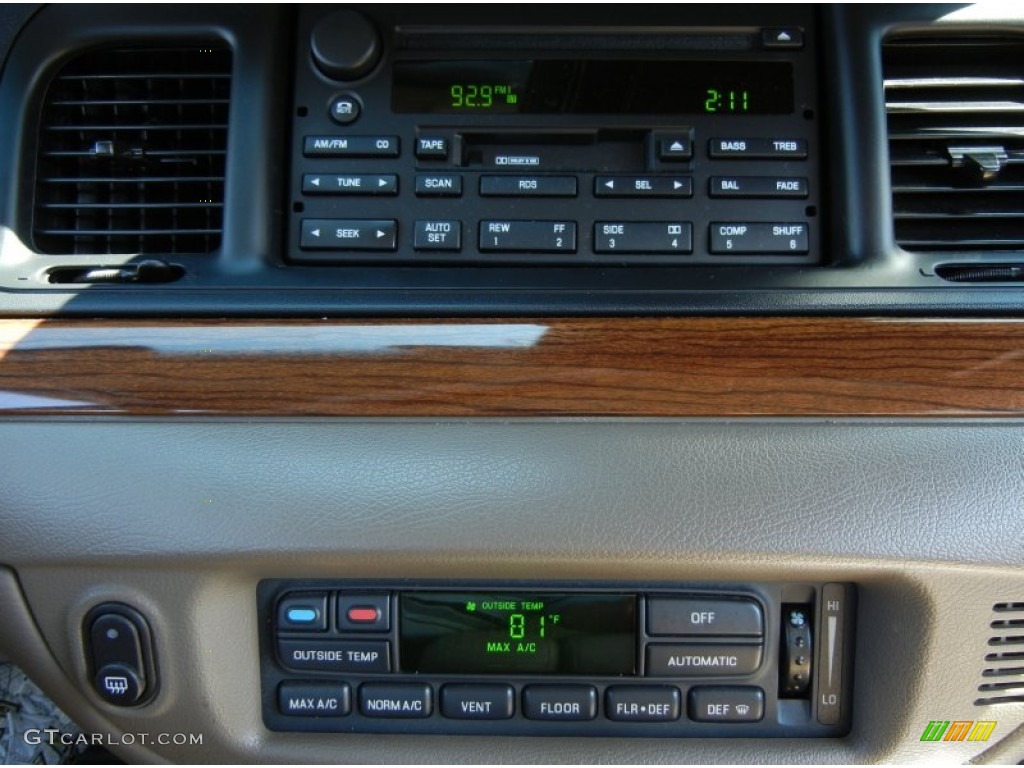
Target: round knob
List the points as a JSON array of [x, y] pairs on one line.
[[345, 45]]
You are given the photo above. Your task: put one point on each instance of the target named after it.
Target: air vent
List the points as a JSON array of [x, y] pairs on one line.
[[1003, 675], [956, 142], [132, 147]]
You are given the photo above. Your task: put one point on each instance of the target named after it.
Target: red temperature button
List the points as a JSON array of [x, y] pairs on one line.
[[364, 612], [362, 615]]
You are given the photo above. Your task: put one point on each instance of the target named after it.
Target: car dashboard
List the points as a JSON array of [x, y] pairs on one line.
[[632, 385]]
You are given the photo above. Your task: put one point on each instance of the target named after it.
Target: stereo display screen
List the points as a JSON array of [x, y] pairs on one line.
[[593, 87]]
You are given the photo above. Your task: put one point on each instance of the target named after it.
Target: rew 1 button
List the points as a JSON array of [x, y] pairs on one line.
[[349, 234], [477, 702], [560, 702]]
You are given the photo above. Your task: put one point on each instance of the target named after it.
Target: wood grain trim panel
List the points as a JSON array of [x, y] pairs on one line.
[[544, 367]]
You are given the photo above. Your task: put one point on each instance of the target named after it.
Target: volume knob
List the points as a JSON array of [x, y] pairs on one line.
[[345, 45]]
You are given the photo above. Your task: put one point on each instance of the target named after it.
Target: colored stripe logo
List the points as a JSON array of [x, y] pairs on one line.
[[958, 730]]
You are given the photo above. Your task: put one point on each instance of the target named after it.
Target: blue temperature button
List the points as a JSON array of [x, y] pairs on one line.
[[303, 612]]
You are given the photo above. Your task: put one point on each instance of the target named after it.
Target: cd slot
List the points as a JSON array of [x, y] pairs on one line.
[[558, 150]]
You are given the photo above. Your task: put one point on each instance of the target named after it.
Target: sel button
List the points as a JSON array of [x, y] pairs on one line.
[[560, 702], [477, 702]]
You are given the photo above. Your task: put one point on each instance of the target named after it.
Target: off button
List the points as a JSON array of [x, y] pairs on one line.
[[560, 702]]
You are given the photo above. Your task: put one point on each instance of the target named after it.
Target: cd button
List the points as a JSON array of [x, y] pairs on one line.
[[350, 146], [395, 700], [477, 702], [680, 660], [314, 699], [642, 704], [726, 704], [560, 702]]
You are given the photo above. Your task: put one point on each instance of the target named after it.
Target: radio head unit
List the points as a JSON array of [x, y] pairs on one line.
[[438, 136]]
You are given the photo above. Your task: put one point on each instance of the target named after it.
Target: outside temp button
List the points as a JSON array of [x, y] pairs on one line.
[[560, 702]]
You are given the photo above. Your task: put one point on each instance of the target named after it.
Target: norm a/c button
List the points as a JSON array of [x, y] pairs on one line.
[[364, 613]]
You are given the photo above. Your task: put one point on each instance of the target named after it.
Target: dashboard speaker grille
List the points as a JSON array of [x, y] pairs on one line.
[[955, 110], [131, 152], [1002, 679]]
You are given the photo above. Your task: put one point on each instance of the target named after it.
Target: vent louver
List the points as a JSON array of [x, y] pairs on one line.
[[1003, 675], [131, 152], [955, 110]]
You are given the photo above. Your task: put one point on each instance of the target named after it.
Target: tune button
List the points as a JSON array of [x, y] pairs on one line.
[[560, 702]]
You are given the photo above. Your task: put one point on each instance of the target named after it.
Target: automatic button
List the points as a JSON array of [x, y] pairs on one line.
[[314, 699], [642, 703], [395, 700], [477, 702], [726, 704], [705, 660], [560, 702]]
